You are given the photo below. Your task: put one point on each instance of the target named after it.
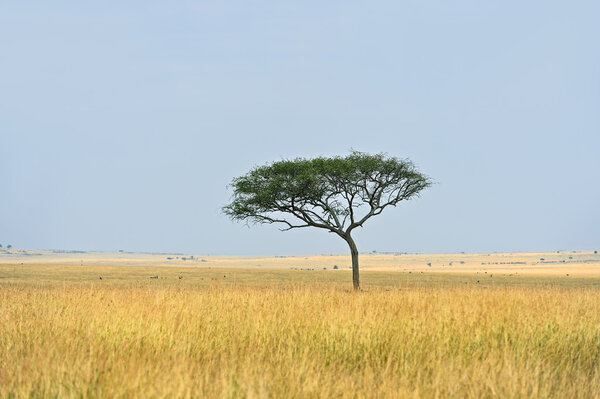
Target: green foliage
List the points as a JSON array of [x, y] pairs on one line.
[[337, 194]]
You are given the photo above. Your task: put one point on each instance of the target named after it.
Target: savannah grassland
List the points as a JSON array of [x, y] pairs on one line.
[[487, 327]]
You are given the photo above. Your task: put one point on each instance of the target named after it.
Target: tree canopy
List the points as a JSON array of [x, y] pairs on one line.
[[337, 194]]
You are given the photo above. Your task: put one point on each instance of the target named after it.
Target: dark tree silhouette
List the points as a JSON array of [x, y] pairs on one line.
[[337, 194]]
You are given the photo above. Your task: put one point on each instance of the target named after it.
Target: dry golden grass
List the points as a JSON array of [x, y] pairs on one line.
[[275, 334]]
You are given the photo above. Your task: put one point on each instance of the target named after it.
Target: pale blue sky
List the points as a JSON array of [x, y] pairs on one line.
[[121, 123]]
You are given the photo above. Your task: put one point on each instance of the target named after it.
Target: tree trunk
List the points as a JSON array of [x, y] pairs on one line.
[[354, 253]]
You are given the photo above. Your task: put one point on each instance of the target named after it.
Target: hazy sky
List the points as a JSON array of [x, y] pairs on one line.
[[122, 122]]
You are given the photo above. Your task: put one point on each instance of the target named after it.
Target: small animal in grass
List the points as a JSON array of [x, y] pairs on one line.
[[180, 277], [100, 277], [153, 276]]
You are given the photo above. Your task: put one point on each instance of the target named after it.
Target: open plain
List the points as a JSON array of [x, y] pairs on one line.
[[76, 324]]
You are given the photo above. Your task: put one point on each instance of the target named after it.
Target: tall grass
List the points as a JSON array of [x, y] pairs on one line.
[[153, 339]]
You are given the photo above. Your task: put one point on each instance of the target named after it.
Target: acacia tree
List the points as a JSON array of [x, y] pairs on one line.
[[337, 194]]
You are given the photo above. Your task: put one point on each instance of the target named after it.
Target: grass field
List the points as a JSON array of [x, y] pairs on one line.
[[276, 332]]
